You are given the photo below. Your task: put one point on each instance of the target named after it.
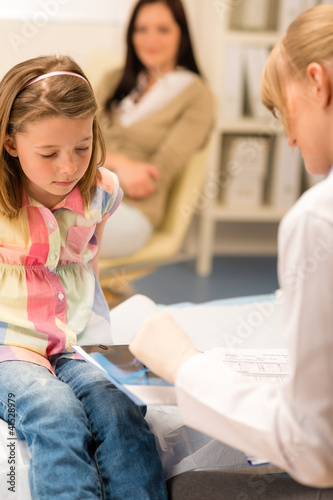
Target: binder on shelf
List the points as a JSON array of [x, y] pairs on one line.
[[290, 9], [245, 193], [232, 103], [247, 153], [255, 59], [251, 15], [245, 161], [286, 177]]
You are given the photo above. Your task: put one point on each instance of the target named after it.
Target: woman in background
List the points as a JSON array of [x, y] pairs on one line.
[[156, 112]]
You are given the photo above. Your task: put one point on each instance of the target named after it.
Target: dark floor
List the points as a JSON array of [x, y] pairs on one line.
[[231, 277]]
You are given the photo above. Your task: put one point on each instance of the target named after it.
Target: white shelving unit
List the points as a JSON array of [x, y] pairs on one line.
[[232, 221]]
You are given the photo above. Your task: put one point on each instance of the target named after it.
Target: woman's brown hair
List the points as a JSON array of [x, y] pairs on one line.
[[62, 95], [133, 65]]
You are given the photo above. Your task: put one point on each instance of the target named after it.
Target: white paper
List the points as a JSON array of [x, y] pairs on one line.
[[251, 325]]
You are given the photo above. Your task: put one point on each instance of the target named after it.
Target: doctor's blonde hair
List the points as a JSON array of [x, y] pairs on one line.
[[61, 96], [308, 39]]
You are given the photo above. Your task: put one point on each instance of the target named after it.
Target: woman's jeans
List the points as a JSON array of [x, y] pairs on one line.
[[86, 438]]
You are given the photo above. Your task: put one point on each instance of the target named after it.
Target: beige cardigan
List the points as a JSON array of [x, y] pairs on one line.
[[166, 139]]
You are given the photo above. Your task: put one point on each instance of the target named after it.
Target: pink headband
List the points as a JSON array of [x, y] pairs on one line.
[[54, 73]]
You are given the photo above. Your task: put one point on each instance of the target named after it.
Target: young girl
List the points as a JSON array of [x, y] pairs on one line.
[[290, 425], [87, 440]]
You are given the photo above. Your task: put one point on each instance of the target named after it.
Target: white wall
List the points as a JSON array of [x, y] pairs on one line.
[[95, 45]]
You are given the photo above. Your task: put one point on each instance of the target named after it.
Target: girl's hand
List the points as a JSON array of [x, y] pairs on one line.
[[162, 345], [135, 178]]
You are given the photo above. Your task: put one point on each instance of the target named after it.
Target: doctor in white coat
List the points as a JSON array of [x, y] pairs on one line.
[[291, 425]]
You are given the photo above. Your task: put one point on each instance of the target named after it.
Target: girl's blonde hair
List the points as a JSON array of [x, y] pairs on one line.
[[308, 39], [65, 96]]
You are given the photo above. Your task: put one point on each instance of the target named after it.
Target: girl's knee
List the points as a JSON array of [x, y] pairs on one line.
[[52, 404]]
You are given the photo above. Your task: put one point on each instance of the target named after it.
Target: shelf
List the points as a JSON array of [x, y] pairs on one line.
[[240, 37], [264, 213], [251, 125], [235, 68]]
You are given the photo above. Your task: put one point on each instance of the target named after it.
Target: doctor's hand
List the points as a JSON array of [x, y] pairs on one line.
[[162, 345]]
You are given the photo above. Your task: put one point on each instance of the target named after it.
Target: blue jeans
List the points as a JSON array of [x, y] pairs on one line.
[[86, 438]]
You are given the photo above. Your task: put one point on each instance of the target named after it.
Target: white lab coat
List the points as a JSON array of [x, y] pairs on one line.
[[291, 424]]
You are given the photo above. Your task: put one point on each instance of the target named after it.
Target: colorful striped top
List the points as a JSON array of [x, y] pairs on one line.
[[50, 298]]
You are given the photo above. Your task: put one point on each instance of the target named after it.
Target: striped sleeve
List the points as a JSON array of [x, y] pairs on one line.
[[112, 192]]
